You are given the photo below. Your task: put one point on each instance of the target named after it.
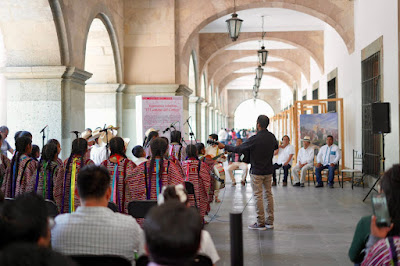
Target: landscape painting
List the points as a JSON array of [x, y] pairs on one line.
[[318, 127]]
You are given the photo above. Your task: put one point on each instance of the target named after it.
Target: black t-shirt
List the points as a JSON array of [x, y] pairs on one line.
[[261, 148]]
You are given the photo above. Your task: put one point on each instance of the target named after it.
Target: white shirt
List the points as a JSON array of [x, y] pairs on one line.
[[305, 155], [214, 151], [222, 135], [328, 155], [284, 154], [207, 247], [140, 160], [97, 231], [98, 154]]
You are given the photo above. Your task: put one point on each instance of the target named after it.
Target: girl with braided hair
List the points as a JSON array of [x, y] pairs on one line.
[[18, 178], [4, 163], [48, 172], [149, 177], [64, 195], [120, 169], [176, 151], [198, 173], [57, 143]]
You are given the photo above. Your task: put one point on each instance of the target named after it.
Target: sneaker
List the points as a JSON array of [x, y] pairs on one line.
[[284, 184], [301, 184], [255, 226], [330, 186], [243, 183], [297, 184], [274, 184], [233, 184], [269, 226], [319, 185]]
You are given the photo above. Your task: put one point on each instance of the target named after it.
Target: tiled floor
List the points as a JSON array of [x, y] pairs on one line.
[[312, 226]]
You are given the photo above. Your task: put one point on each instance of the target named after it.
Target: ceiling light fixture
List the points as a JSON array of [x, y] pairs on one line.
[[234, 24], [262, 53]]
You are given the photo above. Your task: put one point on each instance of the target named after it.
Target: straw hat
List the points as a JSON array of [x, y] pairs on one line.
[[111, 133], [306, 138], [150, 130], [86, 134], [95, 134]]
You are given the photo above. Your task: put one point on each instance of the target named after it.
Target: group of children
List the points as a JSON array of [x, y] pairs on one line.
[[159, 164]]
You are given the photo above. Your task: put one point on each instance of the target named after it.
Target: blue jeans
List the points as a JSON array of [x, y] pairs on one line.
[[331, 173], [285, 171]]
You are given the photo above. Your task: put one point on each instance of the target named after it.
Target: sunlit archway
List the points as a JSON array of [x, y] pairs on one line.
[[247, 112]]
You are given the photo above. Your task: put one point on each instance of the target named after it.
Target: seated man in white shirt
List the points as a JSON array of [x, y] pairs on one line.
[[285, 158], [305, 159], [236, 161], [94, 229], [328, 158]]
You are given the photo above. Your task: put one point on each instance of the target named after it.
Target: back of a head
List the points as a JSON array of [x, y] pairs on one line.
[[263, 121], [24, 219], [54, 141], [173, 233], [49, 152], [22, 143], [191, 151], [390, 184], [35, 151], [79, 146], [176, 136], [3, 129], [93, 182], [22, 254], [138, 151], [158, 147], [200, 146], [117, 146], [166, 139]]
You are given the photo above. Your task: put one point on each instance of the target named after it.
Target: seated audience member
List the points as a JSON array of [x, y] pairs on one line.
[[285, 158], [4, 145], [213, 151], [149, 177], [35, 154], [94, 229], [305, 159], [120, 169], [25, 219], [236, 162], [198, 173], [139, 154], [48, 172], [178, 193], [390, 186], [328, 158], [4, 163], [173, 234], [23, 254], [18, 180], [65, 197]]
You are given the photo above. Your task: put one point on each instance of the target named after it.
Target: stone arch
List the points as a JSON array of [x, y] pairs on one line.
[[114, 44], [193, 64], [338, 14], [282, 76], [250, 116]]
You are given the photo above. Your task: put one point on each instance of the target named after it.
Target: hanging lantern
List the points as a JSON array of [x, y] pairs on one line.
[[259, 72], [234, 24], [257, 82], [255, 94], [262, 56]]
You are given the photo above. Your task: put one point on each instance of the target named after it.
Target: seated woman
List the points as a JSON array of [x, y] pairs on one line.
[[197, 172], [48, 172], [149, 177], [178, 193], [390, 185], [66, 199], [120, 169], [18, 179]]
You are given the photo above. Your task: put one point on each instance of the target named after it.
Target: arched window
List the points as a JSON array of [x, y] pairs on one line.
[[247, 112]]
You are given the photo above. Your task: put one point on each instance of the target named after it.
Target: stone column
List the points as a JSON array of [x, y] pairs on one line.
[[46, 95], [198, 118], [211, 120], [204, 115], [193, 114]]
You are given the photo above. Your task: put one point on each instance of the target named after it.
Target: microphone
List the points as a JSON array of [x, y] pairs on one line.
[[41, 131], [187, 120], [165, 130], [75, 132]]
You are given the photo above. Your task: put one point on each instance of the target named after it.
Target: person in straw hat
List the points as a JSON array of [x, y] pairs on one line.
[[305, 159], [98, 153]]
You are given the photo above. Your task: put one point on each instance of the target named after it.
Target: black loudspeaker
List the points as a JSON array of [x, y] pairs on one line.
[[380, 113]]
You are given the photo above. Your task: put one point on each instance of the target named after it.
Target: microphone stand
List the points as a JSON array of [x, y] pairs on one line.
[[43, 136], [191, 134]]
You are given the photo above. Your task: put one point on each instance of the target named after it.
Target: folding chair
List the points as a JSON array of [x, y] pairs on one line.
[[190, 190], [139, 208], [357, 162], [289, 174], [100, 260]]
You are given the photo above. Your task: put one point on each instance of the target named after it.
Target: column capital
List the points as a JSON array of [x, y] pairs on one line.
[[183, 90], [77, 75]]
